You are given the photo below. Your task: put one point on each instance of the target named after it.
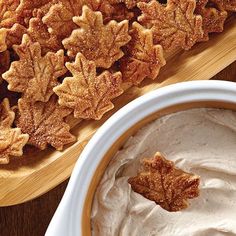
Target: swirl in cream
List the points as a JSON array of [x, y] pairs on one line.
[[201, 141]]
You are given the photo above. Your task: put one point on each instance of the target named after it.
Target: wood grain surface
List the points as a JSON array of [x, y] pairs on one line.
[[32, 218]]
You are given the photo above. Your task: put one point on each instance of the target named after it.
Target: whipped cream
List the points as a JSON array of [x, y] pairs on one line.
[[201, 141]]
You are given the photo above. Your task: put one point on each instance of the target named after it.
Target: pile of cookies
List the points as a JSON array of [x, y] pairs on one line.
[[64, 57]]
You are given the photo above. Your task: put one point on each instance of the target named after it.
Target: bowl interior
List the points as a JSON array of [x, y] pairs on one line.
[[86, 226]]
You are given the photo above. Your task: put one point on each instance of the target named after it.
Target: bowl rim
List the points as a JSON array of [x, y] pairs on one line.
[[63, 221]]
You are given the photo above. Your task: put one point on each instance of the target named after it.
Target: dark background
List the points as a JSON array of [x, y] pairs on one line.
[[33, 217]]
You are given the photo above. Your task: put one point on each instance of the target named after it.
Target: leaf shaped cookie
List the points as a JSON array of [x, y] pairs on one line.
[[4, 63], [143, 58], [7, 116], [44, 122], [29, 8], [228, 5], [38, 32], [168, 186], [96, 41], [173, 25], [8, 15], [86, 93], [114, 11], [30, 5], [129, 3], [213, 19], [34, 75], [3, 34], [44, 8], [15, 34], [20, 11], [12, 140], [59, 18]]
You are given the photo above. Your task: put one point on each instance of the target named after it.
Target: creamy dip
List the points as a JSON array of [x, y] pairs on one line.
[[201, 141]]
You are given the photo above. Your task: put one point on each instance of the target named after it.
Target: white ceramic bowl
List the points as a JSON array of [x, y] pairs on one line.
[[68, 217]]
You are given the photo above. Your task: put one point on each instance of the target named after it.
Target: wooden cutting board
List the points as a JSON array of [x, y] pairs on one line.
[[37, 173]]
